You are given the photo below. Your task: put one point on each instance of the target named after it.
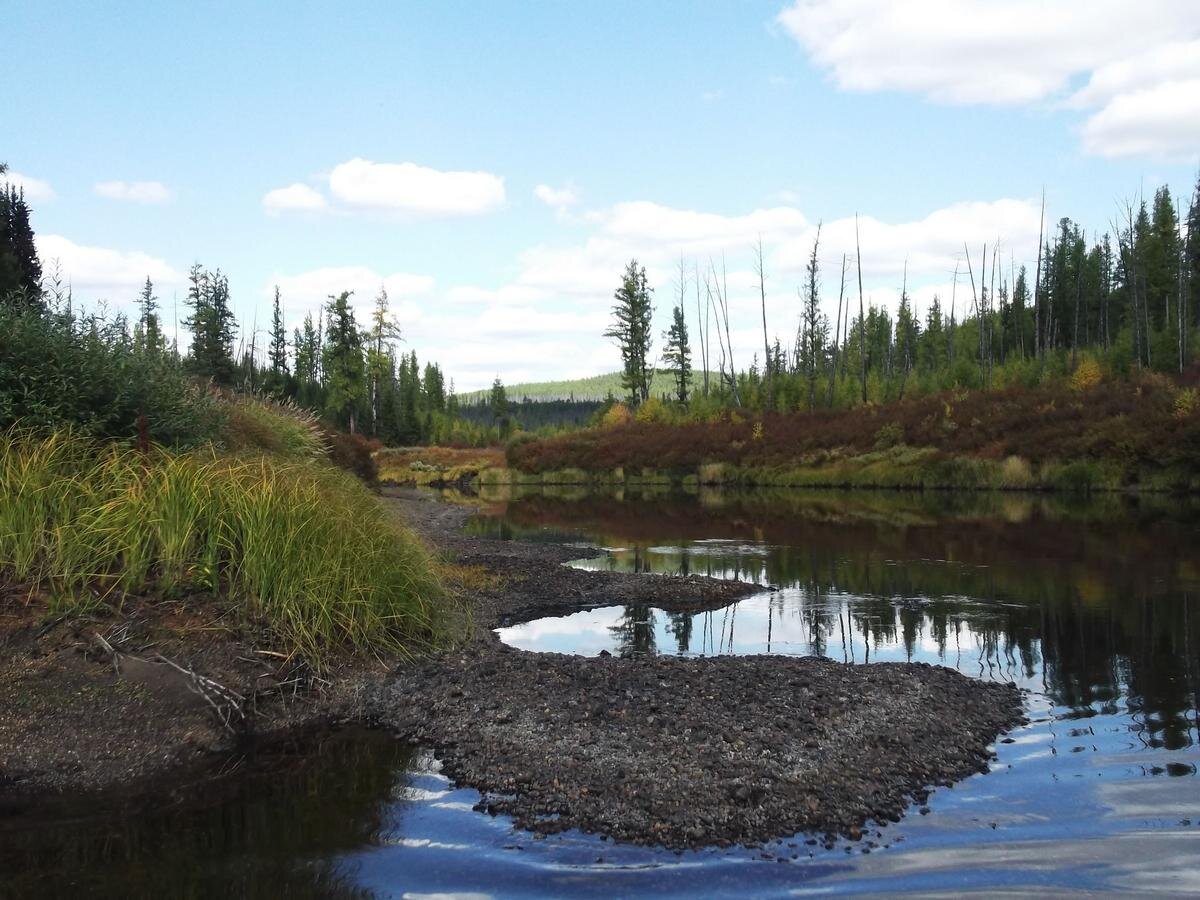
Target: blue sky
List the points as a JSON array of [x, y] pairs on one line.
[[406, 144]]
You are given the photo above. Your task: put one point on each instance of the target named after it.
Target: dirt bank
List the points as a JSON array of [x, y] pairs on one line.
[[103, 702]]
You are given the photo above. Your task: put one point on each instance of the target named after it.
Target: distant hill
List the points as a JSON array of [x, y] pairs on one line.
[[595, 388]]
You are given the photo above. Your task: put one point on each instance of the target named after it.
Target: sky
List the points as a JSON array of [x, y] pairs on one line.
[[495, 165]]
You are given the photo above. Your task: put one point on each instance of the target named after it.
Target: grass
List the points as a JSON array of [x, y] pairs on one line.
[[435, 465], [294, 545]]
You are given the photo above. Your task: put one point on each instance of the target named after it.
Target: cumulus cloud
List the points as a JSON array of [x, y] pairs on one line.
[[409, 188], [35, 189], [360, 185], [307, 291], [1021, 51], [134, 191], [101, 272], [556, 198], [691, 231], [929, 246], [294, 197]]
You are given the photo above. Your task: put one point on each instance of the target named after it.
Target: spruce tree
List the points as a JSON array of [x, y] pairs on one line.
[[342, 355], [631, 330], [211, 324], [152, 339], [278, 349], [1191, 260], [678, 354], [20, 268]]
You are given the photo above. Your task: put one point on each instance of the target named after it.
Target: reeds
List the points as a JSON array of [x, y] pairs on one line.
[[292, 544]]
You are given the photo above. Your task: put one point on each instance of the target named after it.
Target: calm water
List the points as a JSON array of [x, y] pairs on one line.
[[1094, 607]]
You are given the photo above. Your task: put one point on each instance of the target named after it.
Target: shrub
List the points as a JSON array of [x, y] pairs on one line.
[[1086, 376], [1015, 473], [352, 452], [653, 411], [616, 415], [1187, 402], [57, 370], [889, 436], [293, 545]]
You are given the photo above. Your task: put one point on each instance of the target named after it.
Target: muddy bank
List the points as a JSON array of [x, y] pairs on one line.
[[678, 752], [528, 581], [108, 702], [694, 752]]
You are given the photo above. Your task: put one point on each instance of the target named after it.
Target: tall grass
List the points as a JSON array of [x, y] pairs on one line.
[[292, 544]]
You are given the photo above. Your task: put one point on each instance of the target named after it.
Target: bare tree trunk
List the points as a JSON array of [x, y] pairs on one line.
[[862, 319], [978, 309], [762, 296], [721, 289], [837, 327], [1038, 349], [953, 304]]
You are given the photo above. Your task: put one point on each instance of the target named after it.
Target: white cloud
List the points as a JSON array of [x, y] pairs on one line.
[[409, 188], [134, 191], [556, 198], [690, 231], [930, 246], [102, 273], [293, 197], [35, 189], [309, 291], [1020, 51], [1163, 120]]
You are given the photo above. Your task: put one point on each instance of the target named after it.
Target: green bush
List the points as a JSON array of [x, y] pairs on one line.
[[57, 370]]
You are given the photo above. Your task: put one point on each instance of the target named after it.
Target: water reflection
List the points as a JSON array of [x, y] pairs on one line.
[[278, 829], [1095, 604]]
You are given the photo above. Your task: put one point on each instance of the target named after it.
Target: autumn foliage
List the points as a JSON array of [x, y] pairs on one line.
[[1133, 424]]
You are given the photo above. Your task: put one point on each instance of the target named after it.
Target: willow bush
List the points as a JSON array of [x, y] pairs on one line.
[[292, 544]]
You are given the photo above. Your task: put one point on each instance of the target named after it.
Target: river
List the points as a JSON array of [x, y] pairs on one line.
[[1092, 605]]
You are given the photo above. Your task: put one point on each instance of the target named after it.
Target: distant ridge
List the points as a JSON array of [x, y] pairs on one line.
[[593, 388]]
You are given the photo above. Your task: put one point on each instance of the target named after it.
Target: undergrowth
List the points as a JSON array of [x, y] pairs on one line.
[[291, 544]]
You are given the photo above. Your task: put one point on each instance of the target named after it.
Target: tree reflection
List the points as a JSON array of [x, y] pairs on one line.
[[1099, 597]]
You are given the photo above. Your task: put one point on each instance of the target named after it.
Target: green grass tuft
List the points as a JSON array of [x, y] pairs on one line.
[[292, 544]]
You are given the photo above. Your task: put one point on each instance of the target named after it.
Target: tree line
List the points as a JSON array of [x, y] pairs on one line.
[[1127, 299], [355, 376]]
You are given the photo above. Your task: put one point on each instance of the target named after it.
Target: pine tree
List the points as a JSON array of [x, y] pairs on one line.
[[148, 322], [211, 324], [278, 350], [20, 269], [1191, 260], [814, 325], [631, 330], [380, 357], [499, 406], [678, 354], [342, 355]]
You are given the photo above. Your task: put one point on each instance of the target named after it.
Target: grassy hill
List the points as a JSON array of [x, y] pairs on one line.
[[596, 387]]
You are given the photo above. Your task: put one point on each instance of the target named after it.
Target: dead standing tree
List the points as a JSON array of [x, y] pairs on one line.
[[837, 338], [760, 271]]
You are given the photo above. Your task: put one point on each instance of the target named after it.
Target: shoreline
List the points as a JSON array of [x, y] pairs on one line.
[[761, 747]]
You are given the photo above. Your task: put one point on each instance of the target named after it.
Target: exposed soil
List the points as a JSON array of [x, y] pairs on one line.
[[678, 752], [103, 702], [694, 752]]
